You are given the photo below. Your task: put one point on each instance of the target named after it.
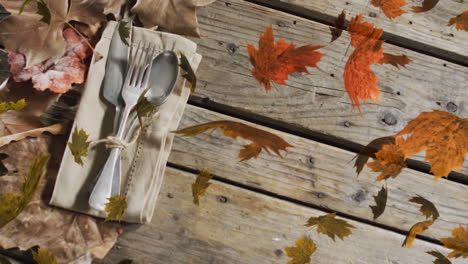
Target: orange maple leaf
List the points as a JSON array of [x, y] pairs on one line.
[[416, 229], [444, 137], [391, 8], [260, 139], [274, 62], [389, 160], [458, 243], [426, 6], [461, 21], [395, 60]]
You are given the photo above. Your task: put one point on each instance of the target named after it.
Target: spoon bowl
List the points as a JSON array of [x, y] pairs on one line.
[[163, 77]]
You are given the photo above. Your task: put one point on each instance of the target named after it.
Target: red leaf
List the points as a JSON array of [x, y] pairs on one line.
[[461, 21], [391, 8], [274, 62], [395, 60]]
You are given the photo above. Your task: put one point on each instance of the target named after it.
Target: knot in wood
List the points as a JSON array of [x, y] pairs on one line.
[[452, 107], [390, 119], [222, 199], [347, 124], [232, 48]]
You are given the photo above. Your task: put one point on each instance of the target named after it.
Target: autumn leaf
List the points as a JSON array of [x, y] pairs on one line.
[[461, 21], [416, 229], [261, 140], [274, 62], [79, 145], [329, 225], [369, 151], [380, 201], [5, 106], [124, 32], [43, 256], [200, 185], [115, 208], [189, 74], [391, 8], [12, 204], [440, 258], [339, 26], [458, 243], [302, 251], [426, 6], [389, 161], [428, 209], [143, 107], [395, 60], [442, 135]]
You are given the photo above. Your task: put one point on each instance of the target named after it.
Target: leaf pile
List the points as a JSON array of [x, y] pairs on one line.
[[79, 145], [302, 251], [200, 185], [115, 208]]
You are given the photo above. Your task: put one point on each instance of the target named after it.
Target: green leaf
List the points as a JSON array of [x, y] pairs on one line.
[[115, 208], [5, 106], [380, 201], [189, 73], [200, 185], [12, 204], [143, 107], [124, 32], [25, 3], [79, 145], [43, 256], [44, 11]]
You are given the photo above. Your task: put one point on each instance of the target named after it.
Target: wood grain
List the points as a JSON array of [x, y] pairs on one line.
[[321, 175], [318, 101], [236, 226]]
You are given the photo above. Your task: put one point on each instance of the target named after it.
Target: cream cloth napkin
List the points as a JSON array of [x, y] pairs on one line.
[[144, 161]]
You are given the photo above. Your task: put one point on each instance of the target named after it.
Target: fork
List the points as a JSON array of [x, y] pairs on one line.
[[134, 84]]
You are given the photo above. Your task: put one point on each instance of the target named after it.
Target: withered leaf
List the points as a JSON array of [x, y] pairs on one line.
[[458, 243], [443, 136], [189, 73], [53, 129], [339, 26], [79, 145], [143, 107], [273, 62], [369, 151], [391, 8], [380, 201], [389, 161], [200, 185], [43, 11], [260, 139], [440, 258], [426, 6], [428, 209], [329, 225], [124, 32], [461, 21], [5, 106], [12, 204], [115, 208], [302, 251], [43, 256], [395, 60], [416, 229]]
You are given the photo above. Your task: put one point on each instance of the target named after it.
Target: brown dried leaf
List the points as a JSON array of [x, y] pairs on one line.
[[200, 185], [115, 208], [381, 202], [391, 8], [55, 129], [395, 60], [416, 229], [339, 26], [426, 6], [461, 21], [369, 151], [440, 258], [329, 225], [260, 139], [302, 251], [389, 161], [458, 243], [428, 209], [189, 73]]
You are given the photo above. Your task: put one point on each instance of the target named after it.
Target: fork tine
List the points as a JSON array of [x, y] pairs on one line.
[[131, 69], [138, 64], [148, 69], [142, 64]]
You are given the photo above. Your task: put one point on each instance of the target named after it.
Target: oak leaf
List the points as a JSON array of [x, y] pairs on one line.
[[461, 21], [261, 140], [302, 251], [380, 201], [43, 256], [416, 229], [273, 62], [329, 225], [440, 258], [200, 185], [443, 136], [389, 161], [189, 74], [395, 60], [5, 106], [426, 6], [339, 26], [458, 243], [369, 152], [115, 208], [428, 209], [79, 145], [391, 8]]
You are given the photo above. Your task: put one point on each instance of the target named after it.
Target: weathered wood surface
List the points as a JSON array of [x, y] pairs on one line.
[[426, 32], [321, 175], [319, 101], [233, 225]]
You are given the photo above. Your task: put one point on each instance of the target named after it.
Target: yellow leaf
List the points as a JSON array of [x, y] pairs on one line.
[[5, 106], [329, 225], [458, 243], [369, 151], [260, 139], [302, 251], [79, 145], [416, 229], [389, 161], [115, 208], [189, 73], [428, 209], [200, 185], [380, 202], [12, 204], [43, 256]]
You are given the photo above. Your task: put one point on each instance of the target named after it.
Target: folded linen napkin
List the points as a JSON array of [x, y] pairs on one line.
[[143, 161]]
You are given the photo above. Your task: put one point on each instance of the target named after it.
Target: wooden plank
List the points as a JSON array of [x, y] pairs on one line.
[[321, 175], [319, 101], [424, 32], [235, 226]]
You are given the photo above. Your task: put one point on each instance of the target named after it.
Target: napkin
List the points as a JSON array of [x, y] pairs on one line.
[[144, 160]]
